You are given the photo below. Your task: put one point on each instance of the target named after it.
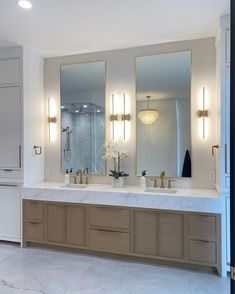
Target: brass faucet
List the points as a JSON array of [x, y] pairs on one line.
[[74, 177], [154, 183], [162, 175], [80, 174]]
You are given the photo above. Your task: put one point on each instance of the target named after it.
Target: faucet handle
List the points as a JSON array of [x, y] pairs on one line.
[[86, 180], [154, 183], [169, 183]]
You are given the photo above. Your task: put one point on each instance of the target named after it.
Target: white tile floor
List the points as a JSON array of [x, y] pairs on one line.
[[48, 271]]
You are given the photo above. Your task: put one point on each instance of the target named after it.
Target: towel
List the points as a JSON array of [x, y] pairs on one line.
[[186, 172]]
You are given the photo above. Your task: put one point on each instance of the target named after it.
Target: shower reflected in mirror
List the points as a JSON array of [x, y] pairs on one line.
[[83, 117]]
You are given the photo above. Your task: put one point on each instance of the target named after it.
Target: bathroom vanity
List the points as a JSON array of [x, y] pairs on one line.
[[183, 227]]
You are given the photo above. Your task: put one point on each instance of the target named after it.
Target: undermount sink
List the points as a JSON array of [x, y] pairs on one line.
[[161, 190], [75, 186]]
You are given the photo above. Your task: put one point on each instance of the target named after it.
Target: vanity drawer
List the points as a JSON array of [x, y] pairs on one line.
[[110, 217], [202, 251], [34, 231], [34, 210], [202, 226], [109, 240]]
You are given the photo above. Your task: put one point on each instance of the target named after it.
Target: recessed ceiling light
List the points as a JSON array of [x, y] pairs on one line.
[[62, 107], [77, 111], [85, 106], [98, 110], [26, 4]]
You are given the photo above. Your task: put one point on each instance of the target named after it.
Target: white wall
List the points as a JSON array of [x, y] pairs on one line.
[[34, 116], [120, 77]]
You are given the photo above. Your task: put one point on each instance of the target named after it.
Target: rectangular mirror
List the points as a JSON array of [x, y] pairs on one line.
[[164, 114], [83, 117]]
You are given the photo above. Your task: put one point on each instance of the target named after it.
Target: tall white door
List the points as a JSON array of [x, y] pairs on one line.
[[10, 213], [10, 127]]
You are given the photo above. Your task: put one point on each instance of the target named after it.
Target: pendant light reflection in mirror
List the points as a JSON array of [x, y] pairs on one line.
[[148, 116]]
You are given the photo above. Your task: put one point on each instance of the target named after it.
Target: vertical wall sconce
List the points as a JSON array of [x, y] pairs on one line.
[[203, 114], [125, 117], [119, 117], [52, 119], [113, 117]]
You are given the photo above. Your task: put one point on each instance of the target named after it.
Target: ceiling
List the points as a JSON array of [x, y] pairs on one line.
[[63, 27]]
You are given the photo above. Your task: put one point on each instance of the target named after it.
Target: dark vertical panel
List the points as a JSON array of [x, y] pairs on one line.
[[232, 144]]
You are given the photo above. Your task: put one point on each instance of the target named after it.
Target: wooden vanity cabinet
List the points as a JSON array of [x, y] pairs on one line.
[[54, 223], [202, 239], [146, 233], [192, 238], [158, 234], [76, 225], [33, 221], [171, 237], [109, 229]]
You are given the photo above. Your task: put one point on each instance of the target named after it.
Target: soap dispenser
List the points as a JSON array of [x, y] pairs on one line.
[[66, 177], [143, 179]]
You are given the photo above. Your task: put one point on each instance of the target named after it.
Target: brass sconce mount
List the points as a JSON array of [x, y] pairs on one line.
[[202, 113], [52, 119]]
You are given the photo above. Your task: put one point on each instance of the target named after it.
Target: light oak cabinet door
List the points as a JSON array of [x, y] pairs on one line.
[[110, 217], [202, 251], [170, 235], [202, 226], [34, 231], [55, 223], [75, 225], [145, 233], [34, 210], [109, 241]]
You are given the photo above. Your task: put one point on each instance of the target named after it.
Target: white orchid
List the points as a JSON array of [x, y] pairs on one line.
[[113, 152]]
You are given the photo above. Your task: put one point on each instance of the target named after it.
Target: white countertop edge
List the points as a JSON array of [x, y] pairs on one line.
[[194, 200]]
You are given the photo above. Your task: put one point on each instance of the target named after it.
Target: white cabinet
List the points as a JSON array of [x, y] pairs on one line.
[[10, 71], [21, 128], [10, 213], [10, 113], [10, 127]]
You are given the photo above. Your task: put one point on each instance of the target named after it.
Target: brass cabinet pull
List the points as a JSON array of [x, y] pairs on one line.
[[8, 185], [109, 231], [203, 241]]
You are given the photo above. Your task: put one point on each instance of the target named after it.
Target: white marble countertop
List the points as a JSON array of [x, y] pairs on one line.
[[195, 200]]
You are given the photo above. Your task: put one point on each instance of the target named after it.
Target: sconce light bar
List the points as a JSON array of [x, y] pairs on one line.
[[52, 119], [125, 116], [119, 117], [203, 113]]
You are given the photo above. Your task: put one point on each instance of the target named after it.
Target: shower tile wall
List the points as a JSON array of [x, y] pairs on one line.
[[86, 141], [66, 121]]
